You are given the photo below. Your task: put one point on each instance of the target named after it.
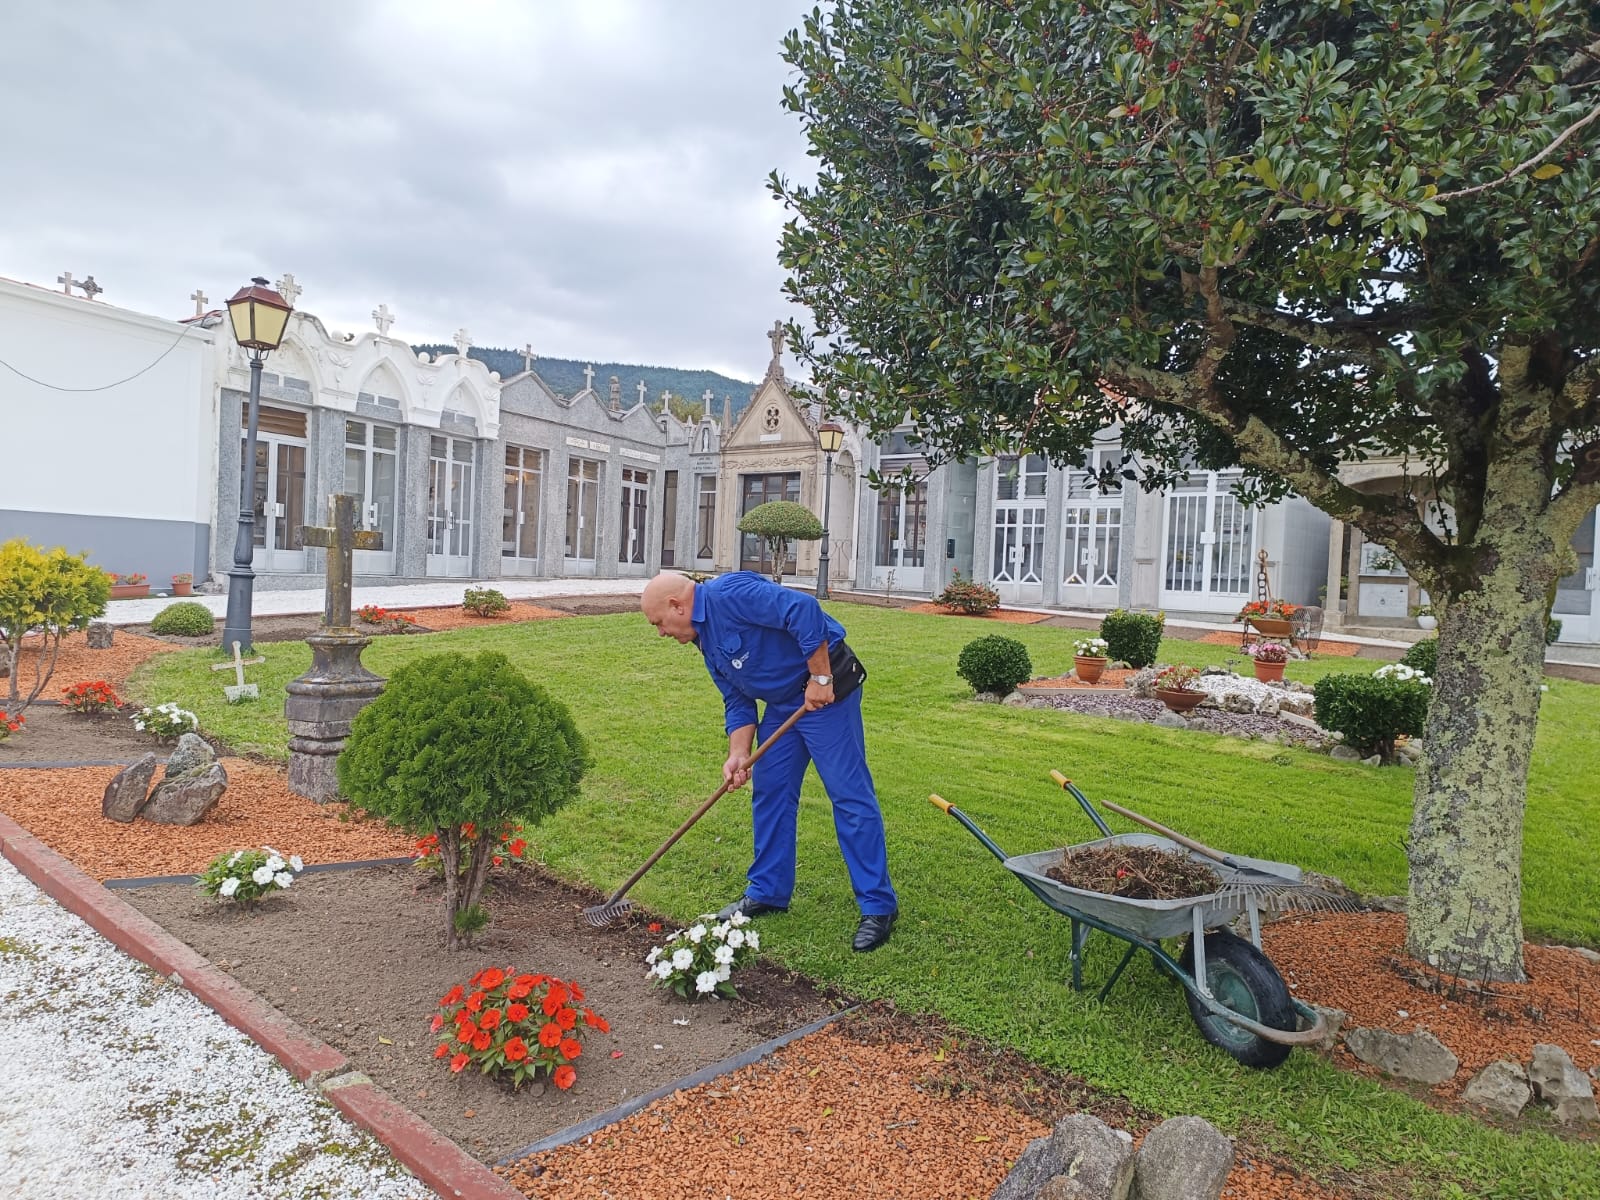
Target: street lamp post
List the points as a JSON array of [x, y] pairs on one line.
[[829, 437], [259, 316]]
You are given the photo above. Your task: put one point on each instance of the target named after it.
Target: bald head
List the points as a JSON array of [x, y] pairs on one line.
[[668, 603]]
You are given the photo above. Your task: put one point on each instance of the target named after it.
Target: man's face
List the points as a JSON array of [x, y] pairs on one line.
[[671, 618]]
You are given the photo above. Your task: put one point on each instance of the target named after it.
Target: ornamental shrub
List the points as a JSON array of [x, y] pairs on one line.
[[455, 740], [485, 602], [968, 596], [1423, 656], [186, 618], [700, 960], [515, 1025], [90, 697], [1371, 711], [165, 722], [1552, 631], [994, 664], [1134, 638], [777, 523], [47, 593]]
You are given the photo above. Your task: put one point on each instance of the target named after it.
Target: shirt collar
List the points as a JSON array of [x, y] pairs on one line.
[[697, 611]]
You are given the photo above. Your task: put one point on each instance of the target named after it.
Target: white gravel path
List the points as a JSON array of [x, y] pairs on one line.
[[116, 1084]]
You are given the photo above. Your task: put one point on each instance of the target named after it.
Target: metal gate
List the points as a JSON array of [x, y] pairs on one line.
[[1209, 544], [1017, 562]]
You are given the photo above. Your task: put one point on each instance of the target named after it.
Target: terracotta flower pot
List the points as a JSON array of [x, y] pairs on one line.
[[183, 589], [1179, 701], [129, 591], [1269, 672], [1089, 669], [1273, 626]]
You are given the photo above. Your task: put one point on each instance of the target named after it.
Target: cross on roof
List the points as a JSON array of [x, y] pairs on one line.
[[340, 538], [528, 356], [463, 341], [384, 318], [66, 281], [289, 289], [91, 289], [588, 378], [642, 391], [777, 336], [199, 299]]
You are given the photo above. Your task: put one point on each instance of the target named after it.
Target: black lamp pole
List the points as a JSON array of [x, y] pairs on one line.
[[827, 496], [241, 578]]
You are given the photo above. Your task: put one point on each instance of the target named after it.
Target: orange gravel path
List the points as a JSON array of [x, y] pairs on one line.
[[79, 664]]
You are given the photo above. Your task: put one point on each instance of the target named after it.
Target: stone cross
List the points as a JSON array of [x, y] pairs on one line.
[[588, 378], [239, 690], [199, 299], [777, 336], [642, 391], [463, 341], [340, 538], [66, 281], [289, 289], [91, 289], [528, 356], [383, 318], [706, 396]]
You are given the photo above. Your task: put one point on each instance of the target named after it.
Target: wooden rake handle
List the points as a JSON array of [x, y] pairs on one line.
[[704, 808], [1197, 847]]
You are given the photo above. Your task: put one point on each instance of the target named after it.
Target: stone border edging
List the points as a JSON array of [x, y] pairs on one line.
[[312, 869], [432, 1157], [627, 1108]]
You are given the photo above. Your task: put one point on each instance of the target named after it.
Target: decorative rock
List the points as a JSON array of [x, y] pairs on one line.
[[1411, 751], [128, 790], [1034, 1168], [1299, 705], [188, 798], [1394, 904], [1419, 1056], [1375, 761], [1237, 702], [191, 754], [1501, 1086], [1333, 1020], [1182, 1159], [1203, 724], [1215, 670], [1124, 714], [1559, 1083], [1143, 683], [100, 635], [1171, 720], [1015, 700], [1097, 1163], [986, 698], [1345, 754], [1270, 707], [1038, 702], [1585, 953]]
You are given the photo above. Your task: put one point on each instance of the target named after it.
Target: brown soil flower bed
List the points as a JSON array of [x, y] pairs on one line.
[[1134, 873], [1004, 615], [1110, 680], [1357, 962], [1325, 646], [51, 733], [79, 664], [356, 957], [61, 807], [436, 620]]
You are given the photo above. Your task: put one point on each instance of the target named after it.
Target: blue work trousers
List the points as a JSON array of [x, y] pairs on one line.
[[833, 738]]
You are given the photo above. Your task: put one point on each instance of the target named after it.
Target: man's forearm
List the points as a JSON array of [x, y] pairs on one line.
[[818, 663], [741, 741]]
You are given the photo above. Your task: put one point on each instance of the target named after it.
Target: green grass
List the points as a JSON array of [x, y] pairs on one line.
[[972, 945]]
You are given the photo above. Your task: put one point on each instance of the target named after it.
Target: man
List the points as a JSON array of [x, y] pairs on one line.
[[769, 643]]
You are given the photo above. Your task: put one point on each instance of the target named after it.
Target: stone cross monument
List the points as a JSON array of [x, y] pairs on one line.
[[325, 700], [383, 318]]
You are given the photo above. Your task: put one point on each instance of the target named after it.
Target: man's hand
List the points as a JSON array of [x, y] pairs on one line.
[[736, 771], [818, 696]]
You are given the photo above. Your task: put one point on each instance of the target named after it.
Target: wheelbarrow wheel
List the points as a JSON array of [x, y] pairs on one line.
[[1243, 979]]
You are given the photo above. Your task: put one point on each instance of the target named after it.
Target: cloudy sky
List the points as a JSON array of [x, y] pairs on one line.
[[587, 175]]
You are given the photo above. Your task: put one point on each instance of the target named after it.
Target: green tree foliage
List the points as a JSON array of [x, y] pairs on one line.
[[462, 747], [1423, 656], [47, 593], [186, 618], [994, 664], [1279, 234], [779, 522], [1132, 637]]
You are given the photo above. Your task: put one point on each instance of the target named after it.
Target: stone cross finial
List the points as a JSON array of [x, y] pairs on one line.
[[528, 356], [383, 318], [199, 299], [616, 394], [666, 402], [340, 538], [67, 282], [463, 341], [289, 289], [777, 336], [643, 391], [91, 289], [707, 397], [588, 378]]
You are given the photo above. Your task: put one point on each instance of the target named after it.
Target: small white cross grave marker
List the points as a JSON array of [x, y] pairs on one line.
[[241, 690]]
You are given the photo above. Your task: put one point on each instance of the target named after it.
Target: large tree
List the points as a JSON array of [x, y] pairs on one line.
[[1279, 234]]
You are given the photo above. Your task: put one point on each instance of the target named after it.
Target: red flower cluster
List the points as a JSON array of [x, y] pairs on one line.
[[371, 614], [133, 580], [426, 849], [516, 1025], [9, 725], [1274, 610], [91, 697]]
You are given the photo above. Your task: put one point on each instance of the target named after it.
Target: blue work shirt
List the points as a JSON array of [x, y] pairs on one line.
[[756, 637]]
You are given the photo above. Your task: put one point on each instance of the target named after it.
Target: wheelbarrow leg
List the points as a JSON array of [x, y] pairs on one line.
[[1133, 948], [1080, 935]]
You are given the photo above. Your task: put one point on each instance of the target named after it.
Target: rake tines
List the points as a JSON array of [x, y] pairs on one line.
[[601, 915], [1287, 896]]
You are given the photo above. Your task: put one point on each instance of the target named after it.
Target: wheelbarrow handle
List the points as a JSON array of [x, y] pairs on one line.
[[1068, 786], [949, 809]]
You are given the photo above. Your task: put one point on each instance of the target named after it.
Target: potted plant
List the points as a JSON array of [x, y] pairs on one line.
[[1270, 658], [129, 587], [1089, 656], [1174, 687], [1424, 615], [183, 584], [1275, 618]]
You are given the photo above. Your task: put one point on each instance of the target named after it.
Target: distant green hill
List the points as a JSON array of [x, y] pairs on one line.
[[565, 377]]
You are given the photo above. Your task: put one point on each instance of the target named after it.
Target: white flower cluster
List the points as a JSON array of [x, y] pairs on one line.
[[165, 720], [247, 875], [701, 960], [1094, 647], [1403, 673]]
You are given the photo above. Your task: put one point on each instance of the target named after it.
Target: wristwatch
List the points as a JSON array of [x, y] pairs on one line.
[[822, 680]]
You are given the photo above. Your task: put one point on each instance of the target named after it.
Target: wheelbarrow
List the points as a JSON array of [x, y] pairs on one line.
[[1235, 994]]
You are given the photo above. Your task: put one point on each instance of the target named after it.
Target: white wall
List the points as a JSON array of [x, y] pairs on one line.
[[143, 449]]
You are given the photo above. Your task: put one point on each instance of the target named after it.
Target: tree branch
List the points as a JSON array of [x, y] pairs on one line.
[[1350, 336], [1581, 493], [1594, 114]]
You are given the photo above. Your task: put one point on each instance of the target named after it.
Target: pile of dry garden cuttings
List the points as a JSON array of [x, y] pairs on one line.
[[1134, 873]]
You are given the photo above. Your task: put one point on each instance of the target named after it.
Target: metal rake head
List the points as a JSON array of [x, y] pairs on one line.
[[1289, 896], [601, 915]]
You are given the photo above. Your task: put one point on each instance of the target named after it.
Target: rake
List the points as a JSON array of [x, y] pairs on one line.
[[601, 915]]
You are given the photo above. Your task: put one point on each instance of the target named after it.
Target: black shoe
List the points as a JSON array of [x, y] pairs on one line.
[[873, 931], [750, 908]]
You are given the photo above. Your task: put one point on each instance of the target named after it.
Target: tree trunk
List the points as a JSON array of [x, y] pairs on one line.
[[450, 863], [1464, 915]]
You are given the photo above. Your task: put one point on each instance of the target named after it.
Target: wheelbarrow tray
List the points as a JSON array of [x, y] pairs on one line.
[[1151, 919]]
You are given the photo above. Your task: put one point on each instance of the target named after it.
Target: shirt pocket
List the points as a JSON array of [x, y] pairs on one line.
[[735, 655]]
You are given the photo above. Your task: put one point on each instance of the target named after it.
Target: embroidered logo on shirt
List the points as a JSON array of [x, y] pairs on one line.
[[738, 663]]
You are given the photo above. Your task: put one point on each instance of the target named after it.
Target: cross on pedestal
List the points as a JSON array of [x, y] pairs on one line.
[[341, 539], [706, 396], [527, 357], [384, 318], [199, 299], [289, 289], [67, 282], [240, 690]]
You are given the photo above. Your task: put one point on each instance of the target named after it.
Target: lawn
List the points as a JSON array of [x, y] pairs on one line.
[[971, 944]]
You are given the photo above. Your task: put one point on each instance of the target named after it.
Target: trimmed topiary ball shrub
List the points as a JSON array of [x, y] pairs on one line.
[[1373, 710], [463, 748], [995, 664], [1135, 638], [186, 618], [1423, 656], [968, 596]]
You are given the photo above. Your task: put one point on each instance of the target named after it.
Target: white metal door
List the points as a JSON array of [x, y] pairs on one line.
[[371, 474], [902, 531], [280, 504], [519, 526], [1577, 604], [1018, 547], [635, 521], [583, 499], [1091, 556], [450, 516], [1209, 545]]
